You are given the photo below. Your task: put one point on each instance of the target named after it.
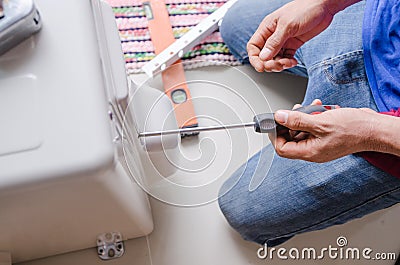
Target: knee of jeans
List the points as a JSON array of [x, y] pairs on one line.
[[234, 215], [245, 218], [245, 222], [227, 28], [233, 35]]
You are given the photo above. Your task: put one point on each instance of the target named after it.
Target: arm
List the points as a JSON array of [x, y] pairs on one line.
[[280, 34], [386, 135], [337, 133]]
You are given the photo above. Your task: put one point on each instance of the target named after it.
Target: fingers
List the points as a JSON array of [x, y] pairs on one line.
[[253, 51], [296, 120], [265, 48], [276, 65], [316, 102], [296, 106], [256, 43], [257, 63], [279, 64], [275, 41], [293, 150], [299, 135]]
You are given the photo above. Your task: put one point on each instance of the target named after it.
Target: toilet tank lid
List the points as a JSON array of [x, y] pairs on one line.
[[53, 100]]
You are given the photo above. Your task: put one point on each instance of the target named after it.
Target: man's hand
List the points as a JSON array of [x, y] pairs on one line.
[[281, 33], [330, 135]]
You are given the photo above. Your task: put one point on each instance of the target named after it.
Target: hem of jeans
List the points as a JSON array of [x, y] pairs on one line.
[[334, 59], [301, 74], [243, 59], [306, 229]]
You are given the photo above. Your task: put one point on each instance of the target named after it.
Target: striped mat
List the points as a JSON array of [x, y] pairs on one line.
[[184, 14]]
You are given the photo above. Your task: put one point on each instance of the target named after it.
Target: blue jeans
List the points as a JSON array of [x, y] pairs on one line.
[[298, 196]]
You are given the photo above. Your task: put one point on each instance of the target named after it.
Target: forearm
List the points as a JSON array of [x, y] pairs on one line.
[[384, 135], [335, 6]]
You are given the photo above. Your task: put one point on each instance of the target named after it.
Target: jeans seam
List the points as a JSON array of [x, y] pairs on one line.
[[340, 82], [333, 217], [334, 59]]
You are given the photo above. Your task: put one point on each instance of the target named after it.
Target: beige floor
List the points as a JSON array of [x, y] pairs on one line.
[[200, 235]]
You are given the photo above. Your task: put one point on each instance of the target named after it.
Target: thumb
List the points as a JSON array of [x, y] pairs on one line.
[[274, 43], [295, 120]]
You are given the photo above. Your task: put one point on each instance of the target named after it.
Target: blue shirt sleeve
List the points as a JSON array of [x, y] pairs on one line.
[[381, 43]]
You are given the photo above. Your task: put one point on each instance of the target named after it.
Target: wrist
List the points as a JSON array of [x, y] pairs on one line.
[[335, 6], [383, 135]]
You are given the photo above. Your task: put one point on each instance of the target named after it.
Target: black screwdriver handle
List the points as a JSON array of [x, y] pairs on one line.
[[316, 109], [310, 109], [265, 123]]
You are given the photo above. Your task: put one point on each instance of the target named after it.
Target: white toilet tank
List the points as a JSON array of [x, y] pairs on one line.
[[63, 180]]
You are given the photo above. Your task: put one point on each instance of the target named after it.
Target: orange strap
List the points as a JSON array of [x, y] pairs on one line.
[[174, 80]]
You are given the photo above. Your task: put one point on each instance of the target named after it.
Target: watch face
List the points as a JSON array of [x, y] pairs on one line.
[[178, 96]]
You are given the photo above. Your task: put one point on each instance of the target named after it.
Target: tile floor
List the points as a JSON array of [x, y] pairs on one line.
[[200, 235]]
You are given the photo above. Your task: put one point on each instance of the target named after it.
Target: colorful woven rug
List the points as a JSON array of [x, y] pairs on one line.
[[184, 14]]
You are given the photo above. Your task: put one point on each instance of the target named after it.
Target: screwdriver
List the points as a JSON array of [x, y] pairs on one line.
[[262, 123]]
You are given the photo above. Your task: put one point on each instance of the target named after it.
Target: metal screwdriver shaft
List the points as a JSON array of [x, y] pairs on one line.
[[262, 123], [197, 129]]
